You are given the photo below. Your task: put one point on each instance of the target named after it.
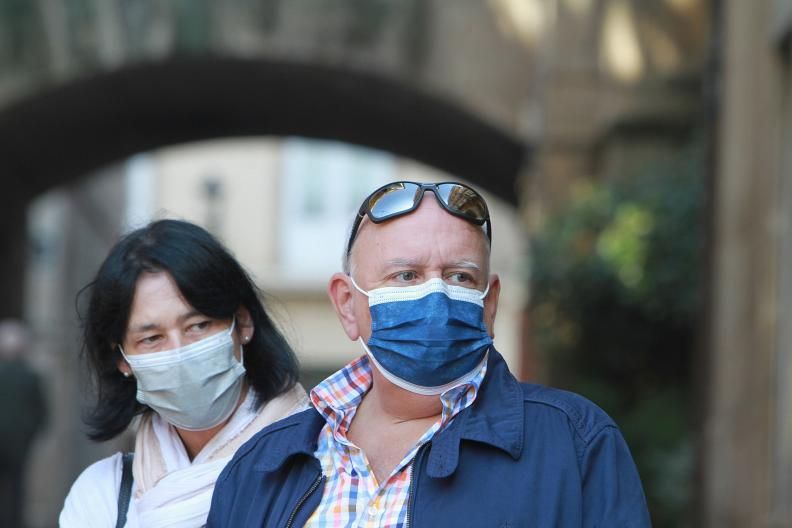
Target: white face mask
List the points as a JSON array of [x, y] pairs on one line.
[[195, 387]]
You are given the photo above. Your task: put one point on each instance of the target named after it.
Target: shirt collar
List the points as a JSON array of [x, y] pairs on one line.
[[341, 393]]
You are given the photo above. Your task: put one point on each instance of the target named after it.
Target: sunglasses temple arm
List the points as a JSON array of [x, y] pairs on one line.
[[354, 230]]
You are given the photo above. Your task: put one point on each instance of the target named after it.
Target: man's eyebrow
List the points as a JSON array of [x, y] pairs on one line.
[[417, 263], [469, 264], [397, 262]]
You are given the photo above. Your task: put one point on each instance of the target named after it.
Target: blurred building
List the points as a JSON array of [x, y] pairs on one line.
[[285, 208], [70, 231], [747, 463]]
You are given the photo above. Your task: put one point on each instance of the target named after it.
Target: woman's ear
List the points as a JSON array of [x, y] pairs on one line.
[[244, 325], [122, 364], [340, 291]]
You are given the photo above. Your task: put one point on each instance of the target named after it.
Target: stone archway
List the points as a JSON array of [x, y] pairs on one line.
[[56, 136], [53, 137]]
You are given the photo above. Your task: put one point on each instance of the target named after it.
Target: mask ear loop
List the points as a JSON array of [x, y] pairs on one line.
[[486, 291], [241, 344], [358, 288], [125, 374]]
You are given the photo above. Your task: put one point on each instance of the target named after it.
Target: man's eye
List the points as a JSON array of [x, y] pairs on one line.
[[460, 278], [407, 276]]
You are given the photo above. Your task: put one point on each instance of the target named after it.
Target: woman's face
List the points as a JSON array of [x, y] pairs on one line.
[[161, 319]]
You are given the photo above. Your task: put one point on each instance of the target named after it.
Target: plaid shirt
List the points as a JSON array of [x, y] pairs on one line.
[[352, 496]]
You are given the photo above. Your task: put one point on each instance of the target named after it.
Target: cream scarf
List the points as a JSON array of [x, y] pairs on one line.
[[172, 491]]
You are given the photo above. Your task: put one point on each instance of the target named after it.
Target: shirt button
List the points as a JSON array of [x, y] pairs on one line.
[[372, 511]]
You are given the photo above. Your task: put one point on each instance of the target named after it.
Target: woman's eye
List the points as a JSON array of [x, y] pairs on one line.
[[149, 340], [202, 325]]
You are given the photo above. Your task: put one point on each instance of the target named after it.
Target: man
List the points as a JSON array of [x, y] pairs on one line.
[[429, 427]]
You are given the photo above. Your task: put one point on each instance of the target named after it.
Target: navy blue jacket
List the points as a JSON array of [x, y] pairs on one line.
[[520, 455]]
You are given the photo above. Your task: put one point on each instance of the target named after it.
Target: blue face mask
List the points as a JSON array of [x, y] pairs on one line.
[[428, 337]]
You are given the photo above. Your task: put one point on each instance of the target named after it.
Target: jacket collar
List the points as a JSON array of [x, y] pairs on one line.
[[496, 418], [301, 440]]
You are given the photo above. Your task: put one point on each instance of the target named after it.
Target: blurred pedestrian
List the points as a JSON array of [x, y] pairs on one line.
[[177, 339], [23, 413]]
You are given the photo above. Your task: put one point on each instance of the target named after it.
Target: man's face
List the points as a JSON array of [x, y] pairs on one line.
[[425, 244]]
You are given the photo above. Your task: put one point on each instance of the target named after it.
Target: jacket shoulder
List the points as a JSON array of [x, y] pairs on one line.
[[279, 439], [585, 417]]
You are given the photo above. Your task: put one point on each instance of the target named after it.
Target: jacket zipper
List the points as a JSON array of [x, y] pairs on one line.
[[303, 499], [410, 497]]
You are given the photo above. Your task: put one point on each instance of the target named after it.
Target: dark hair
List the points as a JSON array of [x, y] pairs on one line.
[[210, 280]]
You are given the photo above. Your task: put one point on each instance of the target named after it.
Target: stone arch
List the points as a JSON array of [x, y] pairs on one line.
[[55, 136]]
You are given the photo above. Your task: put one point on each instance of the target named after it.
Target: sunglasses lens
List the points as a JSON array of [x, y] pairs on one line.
[[463, 200], [400, 198], [395, 198]]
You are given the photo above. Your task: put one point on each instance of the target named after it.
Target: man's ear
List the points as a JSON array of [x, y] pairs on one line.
[[341, 291], [491, 304], [244, 324]]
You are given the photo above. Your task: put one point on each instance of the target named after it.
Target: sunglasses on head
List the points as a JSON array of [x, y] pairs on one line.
[[403, 197]]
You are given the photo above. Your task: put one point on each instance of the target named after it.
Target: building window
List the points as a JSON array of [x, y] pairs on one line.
[[322, 185]]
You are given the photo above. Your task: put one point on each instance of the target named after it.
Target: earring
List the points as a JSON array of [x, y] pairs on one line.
[[246, 339], [126, 374]]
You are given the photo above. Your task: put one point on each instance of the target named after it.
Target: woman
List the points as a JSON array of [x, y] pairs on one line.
[[178, 340]]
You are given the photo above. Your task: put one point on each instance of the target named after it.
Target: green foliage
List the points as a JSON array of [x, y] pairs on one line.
[[615, 301]]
